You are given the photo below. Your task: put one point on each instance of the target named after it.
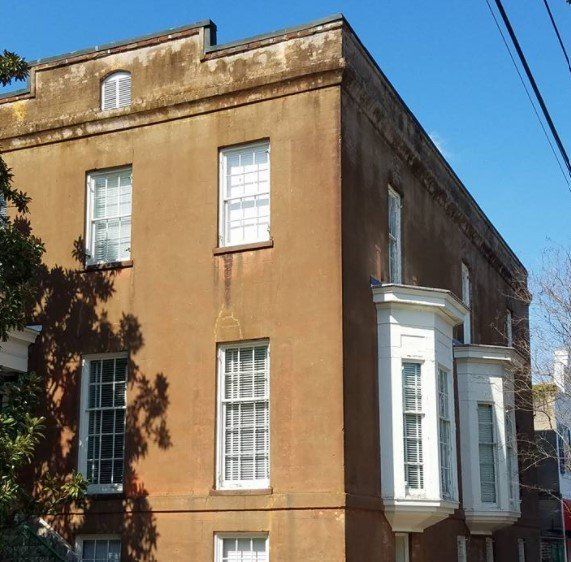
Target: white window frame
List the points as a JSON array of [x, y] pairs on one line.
[[462, 548], [467, 300], [521, 550], [223, 235], [489, 549], [494, 445], [90, 208], [84, 422], [220, 537], [404, 537], [509, 328], [221, 482], [80, 539], [115, 78], [511, 455], [395, 238], [450, 494], [420, 414]]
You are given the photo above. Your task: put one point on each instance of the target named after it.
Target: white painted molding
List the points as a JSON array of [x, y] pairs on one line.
[[14, 351], [484, 375], [414, 325]]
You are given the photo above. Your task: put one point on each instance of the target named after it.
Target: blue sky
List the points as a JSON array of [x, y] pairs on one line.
[[445, 58]]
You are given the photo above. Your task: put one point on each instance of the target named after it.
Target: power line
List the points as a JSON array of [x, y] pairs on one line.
[[558, 34], [527, 92], [534, 86]]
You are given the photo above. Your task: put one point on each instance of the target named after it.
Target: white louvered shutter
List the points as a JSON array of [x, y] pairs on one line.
[[106, 421], [116, 91], [3, 208], [412, 425], [110, 236], [487, 452], [245, 416]]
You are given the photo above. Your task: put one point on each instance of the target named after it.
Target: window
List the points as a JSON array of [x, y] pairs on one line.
[[244, 423], [509, 328], [395, 252], [467, 300], [412, 422], [401, 547], [489, 550], [102, 432], [564, 447], [444, 431], [462, 548], [116, 91], [242, 548], [511, 457], [487, 450], [245, 194], [99, 548], [521, 550], [108, 236]]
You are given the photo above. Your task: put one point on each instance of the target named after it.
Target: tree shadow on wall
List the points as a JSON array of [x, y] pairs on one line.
[[75, 322]]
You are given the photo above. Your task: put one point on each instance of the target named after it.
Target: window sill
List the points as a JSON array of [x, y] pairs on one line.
[[111, 265], [243, 492], [243, 247]]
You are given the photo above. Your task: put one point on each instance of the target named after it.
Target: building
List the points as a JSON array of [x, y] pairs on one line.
[[552, 422], [184, 190]]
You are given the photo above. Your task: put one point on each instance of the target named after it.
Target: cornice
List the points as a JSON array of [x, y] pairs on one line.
[[441, 301]]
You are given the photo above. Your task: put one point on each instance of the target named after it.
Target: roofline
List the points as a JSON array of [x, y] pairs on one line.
[[435, 148], [211, 46], [124, 42]]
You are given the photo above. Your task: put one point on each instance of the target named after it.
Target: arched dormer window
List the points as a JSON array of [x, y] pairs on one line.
[[116, 91]]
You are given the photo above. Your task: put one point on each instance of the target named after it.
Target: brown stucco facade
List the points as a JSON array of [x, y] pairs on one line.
[[339, 135]]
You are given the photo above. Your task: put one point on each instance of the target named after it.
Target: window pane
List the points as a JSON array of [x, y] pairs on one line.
[[106, 421], [110, 228], [245, 414], [244, 549], [245, 195]]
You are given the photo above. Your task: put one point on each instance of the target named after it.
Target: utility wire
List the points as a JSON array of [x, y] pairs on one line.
[[528, 93], [558, 34], [534, 86]]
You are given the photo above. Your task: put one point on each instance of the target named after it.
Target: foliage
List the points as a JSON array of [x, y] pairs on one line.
[[21, 430]]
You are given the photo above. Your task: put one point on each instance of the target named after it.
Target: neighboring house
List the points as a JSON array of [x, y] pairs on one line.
[[259, 272], [552, 405], [32, 541]]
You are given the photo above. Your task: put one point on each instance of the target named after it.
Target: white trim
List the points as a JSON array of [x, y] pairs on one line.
[[79, 539], [84, 421], [221, 483], [223, 237], [489, 549], [462, 548], [404, 537], [90, 193], [115, 78], [219, 541]]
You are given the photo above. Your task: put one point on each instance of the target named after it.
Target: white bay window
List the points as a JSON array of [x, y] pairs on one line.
[[244, 194], [418, 479], [243, 416], [490, 480], [108, 235]]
